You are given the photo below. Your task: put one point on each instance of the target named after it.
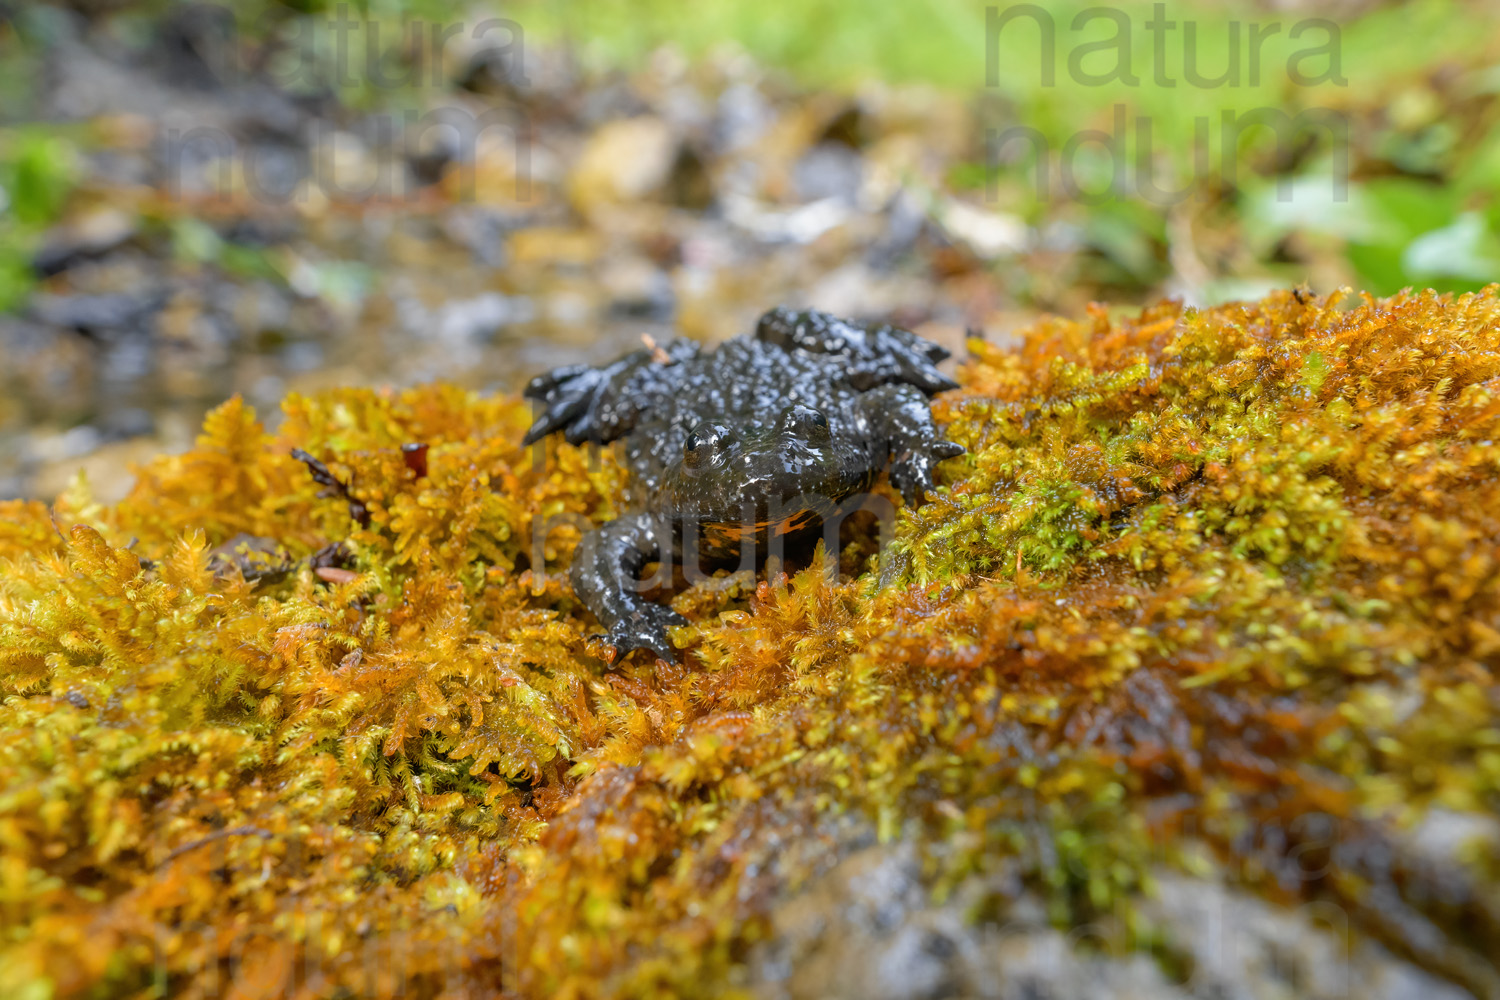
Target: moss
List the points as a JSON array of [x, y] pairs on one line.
[[1202, 575]]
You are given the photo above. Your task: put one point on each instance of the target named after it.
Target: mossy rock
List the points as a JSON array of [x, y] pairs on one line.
[[1215, 593]]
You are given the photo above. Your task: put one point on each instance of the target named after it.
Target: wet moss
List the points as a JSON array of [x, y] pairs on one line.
[[1210, 587]]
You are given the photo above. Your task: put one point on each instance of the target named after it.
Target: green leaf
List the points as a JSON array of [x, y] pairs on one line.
[[44, 174], [195, 241], [1467, 249], [16, 277]]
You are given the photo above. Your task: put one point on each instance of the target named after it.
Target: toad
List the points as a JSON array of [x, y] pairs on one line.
[[734, 451]]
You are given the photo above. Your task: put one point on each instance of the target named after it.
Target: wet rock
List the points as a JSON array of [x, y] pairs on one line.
[[195, 46], [859, 290], [988, 234], [570, 307], [849, 127], [799, 225], [257, 308], [90, 235], [126, 422], [470, 321], [623, 161], [482, 231], [906, 218], [744, 115], [261, 231], [868, 929], [691, 184], [500, 62], [94, 314], [828, 170], [72, 443], [1445, 837], [345, 168], [636, 287], [106, 468], [556, 246], [1243, 948], [45, 374], [498, 69], [302, 356]]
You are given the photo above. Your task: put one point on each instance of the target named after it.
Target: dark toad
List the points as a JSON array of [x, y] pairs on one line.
[[733, 451]]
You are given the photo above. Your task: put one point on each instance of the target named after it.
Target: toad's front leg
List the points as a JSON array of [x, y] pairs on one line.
[[898, 415], [606, 575]]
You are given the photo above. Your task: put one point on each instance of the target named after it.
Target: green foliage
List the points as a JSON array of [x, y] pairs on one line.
[[16, 275], [37, 175]]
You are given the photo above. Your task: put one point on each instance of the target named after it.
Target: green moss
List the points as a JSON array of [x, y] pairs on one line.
[[1201, 574]]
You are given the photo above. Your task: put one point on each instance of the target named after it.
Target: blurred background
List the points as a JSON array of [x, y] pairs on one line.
[[198, 199]]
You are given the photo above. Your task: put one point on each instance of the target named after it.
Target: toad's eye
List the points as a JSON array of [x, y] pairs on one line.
[[705, 446], [806, 424]]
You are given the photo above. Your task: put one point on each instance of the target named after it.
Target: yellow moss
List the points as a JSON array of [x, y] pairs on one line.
[[1202, 572]]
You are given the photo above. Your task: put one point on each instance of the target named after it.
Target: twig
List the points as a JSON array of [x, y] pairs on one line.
[[234, 831], [324, 477]]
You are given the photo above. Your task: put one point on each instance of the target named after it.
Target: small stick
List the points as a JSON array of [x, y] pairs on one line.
[[234, 831], [658, 355]]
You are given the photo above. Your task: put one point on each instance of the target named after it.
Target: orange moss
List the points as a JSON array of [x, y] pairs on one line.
[[1202, 573]]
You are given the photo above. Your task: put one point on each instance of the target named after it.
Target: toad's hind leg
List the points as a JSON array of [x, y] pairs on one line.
[[875, 354], [606, 578]]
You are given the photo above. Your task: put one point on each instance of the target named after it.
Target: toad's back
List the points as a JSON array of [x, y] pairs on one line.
[[746, 384]]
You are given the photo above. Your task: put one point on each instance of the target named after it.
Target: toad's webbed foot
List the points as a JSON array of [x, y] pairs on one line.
[[911, 472], [899, 413], [606, 578], [601, 404], [878, 355], [645, 628]]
